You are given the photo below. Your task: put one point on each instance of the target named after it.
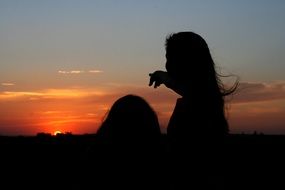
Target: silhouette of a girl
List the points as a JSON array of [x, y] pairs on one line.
[[197, 127], [191, 73]]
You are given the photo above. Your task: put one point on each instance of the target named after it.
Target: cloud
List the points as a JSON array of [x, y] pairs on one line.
[[7, 84], [95, 71], [258, 107], [256, 92], [12, 94], [248, 92], [70, 72], [63, 72], [79, 72], [51, 94], [76, 72], [52, 112]]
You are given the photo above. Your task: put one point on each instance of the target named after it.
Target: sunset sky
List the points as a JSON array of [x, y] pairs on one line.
[[64, 62]]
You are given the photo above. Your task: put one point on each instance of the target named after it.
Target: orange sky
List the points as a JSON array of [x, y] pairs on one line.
[[74, 110], [255, 107]]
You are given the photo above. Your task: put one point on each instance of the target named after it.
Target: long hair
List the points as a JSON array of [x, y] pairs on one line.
[[189, 61]]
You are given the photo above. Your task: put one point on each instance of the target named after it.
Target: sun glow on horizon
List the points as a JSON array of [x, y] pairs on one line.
[[57, 133]]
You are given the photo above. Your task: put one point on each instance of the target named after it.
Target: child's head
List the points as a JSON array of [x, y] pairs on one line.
[[189, 59], [189, 62], [130, 119]]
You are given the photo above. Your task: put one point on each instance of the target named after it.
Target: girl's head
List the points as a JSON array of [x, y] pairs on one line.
[[190, 63], [188, 58], [130, 120]]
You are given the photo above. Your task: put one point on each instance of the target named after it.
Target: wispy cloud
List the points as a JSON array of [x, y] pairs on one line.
[[51, 94], [258, 107], [7, 84], [52, 112], [79, 72], [76, 72], [256, 92], [70, 72], [63, 72], [12, 94], [95, 71]]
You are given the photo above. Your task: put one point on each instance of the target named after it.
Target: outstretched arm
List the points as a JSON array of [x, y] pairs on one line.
[[158, 78], [162, 77]]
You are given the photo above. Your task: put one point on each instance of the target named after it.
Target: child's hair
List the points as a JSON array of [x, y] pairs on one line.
[[130, 118]]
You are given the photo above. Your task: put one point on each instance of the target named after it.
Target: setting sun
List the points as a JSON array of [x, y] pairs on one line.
[[57, 132]]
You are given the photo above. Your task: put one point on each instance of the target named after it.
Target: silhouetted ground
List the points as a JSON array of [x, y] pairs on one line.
[[77, 161]]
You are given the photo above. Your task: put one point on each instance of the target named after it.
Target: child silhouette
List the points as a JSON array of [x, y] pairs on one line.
[[131, 144], [198, 124], [191, 73], [131, 122]]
